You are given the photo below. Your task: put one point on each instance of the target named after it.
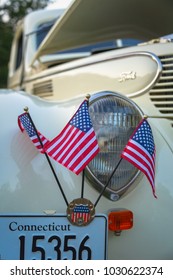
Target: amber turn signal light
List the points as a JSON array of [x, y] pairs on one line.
[[119, 220]]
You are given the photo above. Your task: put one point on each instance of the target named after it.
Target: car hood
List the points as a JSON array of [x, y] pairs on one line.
[[86, 22]]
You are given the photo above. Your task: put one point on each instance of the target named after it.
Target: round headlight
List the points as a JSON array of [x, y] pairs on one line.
[[114, 118]]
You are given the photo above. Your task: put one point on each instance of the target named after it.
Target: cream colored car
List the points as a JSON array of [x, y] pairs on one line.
[[128, 74]]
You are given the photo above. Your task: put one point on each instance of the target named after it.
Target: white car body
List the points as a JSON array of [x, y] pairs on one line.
[[136, 73]]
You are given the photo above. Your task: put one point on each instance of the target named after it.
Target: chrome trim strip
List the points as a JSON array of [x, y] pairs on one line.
[[155, 80]]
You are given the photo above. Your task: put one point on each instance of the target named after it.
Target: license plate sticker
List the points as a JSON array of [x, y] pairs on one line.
[[52, 237]]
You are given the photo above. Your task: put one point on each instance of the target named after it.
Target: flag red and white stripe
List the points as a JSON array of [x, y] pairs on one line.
[[84, 216], [140, 151], [76, 145], [24, 123]]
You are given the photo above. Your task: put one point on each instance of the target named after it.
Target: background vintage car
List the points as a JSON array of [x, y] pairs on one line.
[[125, 83]]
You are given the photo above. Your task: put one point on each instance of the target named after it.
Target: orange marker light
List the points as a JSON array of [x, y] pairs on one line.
[[119, 220]]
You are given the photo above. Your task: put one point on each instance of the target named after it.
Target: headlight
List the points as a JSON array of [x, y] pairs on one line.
[[114, 118]]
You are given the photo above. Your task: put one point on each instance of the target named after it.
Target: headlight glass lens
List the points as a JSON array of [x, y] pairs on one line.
[[114, 118]]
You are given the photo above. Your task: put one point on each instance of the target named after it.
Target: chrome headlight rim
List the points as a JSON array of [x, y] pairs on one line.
[[112, 194]]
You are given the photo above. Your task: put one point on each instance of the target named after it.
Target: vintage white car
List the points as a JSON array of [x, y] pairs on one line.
[[107, 51]]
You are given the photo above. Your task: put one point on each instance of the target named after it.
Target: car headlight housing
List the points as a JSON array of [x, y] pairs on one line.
[[114, 118]]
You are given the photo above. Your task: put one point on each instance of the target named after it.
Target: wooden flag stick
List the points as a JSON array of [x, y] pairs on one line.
[[49, 162]]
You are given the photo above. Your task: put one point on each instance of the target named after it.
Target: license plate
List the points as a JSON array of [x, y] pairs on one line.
[[52, 237]]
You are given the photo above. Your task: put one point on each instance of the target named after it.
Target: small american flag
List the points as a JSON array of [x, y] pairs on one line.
[[140, 151], [80, 212], [76, 145], [25, 124]]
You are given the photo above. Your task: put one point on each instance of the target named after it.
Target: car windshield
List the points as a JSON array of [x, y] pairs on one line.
[[42, 31], [44, 28]]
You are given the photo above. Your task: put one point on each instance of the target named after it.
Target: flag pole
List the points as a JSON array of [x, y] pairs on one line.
[[83, 172], [83, 178], [158, 117], [112, 174], [49, 162]]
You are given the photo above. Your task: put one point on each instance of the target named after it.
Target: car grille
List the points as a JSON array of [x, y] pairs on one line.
[[44, 89], [162, 93]]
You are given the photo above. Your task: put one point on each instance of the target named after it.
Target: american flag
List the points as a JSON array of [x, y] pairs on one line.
[[140, 151], [80, 212], [24, 123], [76, 145]]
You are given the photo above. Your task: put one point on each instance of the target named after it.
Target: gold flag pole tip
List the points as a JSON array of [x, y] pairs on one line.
[[26, 109], [88, 96], [145, 117]]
